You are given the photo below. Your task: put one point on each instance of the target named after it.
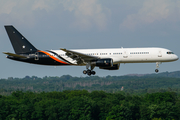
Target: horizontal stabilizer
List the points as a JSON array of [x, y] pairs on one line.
[[14, 55]]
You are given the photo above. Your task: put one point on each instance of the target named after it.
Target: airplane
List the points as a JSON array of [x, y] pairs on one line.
[[107, 59]]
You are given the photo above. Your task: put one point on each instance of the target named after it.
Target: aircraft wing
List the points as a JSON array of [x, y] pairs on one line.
[[14, 55], [81, 58]]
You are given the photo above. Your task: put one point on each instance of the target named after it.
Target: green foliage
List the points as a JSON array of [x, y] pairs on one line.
[[122, 112], [157, 98], [83, 105], [141, 83], [149, 97]]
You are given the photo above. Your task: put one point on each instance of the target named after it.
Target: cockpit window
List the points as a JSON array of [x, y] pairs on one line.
[[170, 53]]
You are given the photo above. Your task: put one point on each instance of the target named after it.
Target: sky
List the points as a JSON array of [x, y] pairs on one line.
[[76, 24]]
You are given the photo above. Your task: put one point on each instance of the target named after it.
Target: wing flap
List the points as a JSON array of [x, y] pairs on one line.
[[14, 55], [81, 58]]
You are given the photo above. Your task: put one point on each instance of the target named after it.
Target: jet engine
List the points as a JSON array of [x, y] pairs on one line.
[[108, 62], [114, 67]]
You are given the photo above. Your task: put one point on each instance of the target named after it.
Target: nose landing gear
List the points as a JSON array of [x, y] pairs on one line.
[[156, 70], [157, 66]]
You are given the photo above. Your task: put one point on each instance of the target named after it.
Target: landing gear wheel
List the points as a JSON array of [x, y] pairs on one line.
[[84, 72], [93, 72], [156, 70], [89, 72]]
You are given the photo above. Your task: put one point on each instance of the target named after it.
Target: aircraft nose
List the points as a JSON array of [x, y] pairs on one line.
[[176, 57]]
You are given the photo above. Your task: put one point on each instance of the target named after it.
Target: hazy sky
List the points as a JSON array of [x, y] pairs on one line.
[[76, 24]]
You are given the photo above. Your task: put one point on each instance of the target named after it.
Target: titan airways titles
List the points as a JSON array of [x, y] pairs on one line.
[[108, 59]]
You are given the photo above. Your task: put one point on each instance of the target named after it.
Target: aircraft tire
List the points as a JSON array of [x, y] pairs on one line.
[[89, 72], [156, 70], [93, 72], [84, 72]]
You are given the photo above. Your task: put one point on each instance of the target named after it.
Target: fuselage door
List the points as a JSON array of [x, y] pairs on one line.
[[36, 56], [125, 54], [160, 54]]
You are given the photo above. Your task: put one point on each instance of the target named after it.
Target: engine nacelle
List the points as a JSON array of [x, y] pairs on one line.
[[114, 67], [108, 62]]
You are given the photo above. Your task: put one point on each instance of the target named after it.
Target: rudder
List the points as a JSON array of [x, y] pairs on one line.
[[18, 41]]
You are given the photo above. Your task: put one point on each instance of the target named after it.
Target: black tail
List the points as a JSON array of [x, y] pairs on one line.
[[18, 41]]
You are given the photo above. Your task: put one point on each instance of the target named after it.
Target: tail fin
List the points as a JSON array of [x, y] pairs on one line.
[[18, 41]]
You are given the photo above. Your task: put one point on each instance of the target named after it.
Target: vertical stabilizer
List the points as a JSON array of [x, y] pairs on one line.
[[18, 41]]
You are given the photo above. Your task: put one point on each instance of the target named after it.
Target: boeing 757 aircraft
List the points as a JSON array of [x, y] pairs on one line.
[[108, 59]]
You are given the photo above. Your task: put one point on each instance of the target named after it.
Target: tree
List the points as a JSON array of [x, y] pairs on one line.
[[120, 112]]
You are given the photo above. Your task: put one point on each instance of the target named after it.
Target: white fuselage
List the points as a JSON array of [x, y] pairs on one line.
[[126, 55]]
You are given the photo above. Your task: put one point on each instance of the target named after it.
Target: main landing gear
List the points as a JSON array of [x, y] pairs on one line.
[[89, 71], [157, 66]]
